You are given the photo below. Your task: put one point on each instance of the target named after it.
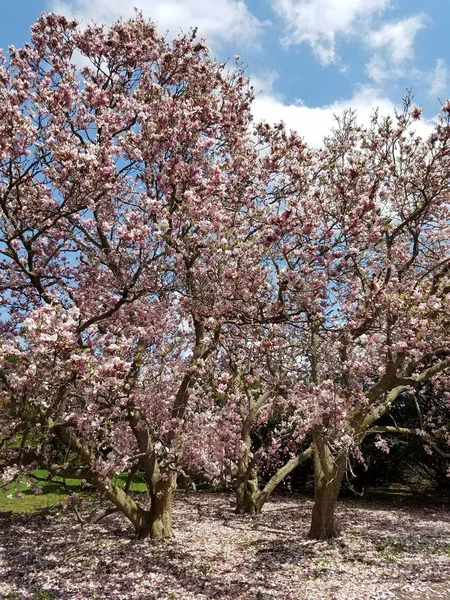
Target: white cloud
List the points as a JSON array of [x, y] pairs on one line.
[[313, 123], [220, 21], [397, 38], [394, 46], [380, 69], [438, 79], [319, 22], [377, 68]]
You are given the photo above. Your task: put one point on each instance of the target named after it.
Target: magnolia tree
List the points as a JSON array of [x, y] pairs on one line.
[[359, 239], [167, 288], [258, 378], [260, 369], [127, 177]]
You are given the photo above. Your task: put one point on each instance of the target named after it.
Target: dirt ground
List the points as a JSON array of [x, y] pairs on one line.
[[385, 552]]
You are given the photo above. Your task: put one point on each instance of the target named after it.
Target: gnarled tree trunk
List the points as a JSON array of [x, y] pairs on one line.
[[161, 508], [247, 489], [328, 473], [247, 495], [161, 485], [155, 522]]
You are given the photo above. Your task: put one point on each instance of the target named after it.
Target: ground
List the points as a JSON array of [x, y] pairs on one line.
[[385, 551]]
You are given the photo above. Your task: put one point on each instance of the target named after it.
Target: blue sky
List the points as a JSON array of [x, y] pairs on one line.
[[308, 59]]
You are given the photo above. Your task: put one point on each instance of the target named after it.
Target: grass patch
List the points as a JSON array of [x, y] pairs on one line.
[[439, 549], [19, 498], [30, 504], [51, 492], [138, 484], [361, 558]]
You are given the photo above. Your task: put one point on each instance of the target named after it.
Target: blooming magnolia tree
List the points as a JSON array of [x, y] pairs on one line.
[[167, 289], [127, 175], [258, 378], [360, 242]]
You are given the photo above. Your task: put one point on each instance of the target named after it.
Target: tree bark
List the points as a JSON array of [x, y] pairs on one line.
[[121, 500], [278, 477], [247, 496], [251, 499], [247, 489], [328, 473], [161, 485], [160, 514]]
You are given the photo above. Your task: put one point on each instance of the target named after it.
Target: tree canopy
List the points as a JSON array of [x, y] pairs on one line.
[[175, 278]]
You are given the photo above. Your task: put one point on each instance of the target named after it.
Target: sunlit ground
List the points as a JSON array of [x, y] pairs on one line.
[[386, 551]]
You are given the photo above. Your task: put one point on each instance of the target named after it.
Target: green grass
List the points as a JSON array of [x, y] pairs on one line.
[[138, 484], [53, 493], [30, 503]]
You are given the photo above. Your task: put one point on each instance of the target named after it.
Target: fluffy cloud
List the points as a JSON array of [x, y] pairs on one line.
[[438, 79], [394, 46], [220, 21], [319, 22], [397, 38], [316, 122]]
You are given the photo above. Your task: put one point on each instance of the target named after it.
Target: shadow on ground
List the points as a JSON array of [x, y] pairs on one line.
[[384, 552]]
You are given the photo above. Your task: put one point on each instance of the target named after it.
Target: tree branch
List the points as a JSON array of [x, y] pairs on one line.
[[407, 431]]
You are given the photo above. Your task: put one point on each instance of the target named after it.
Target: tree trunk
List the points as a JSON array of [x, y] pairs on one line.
[[247, 496], [247, 490], [161, 485], [160, 514], [328, 473]]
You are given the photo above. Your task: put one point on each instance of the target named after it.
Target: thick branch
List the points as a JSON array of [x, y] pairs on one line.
[[144, 440], [111, 490], [282, 473], [393, 386]]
